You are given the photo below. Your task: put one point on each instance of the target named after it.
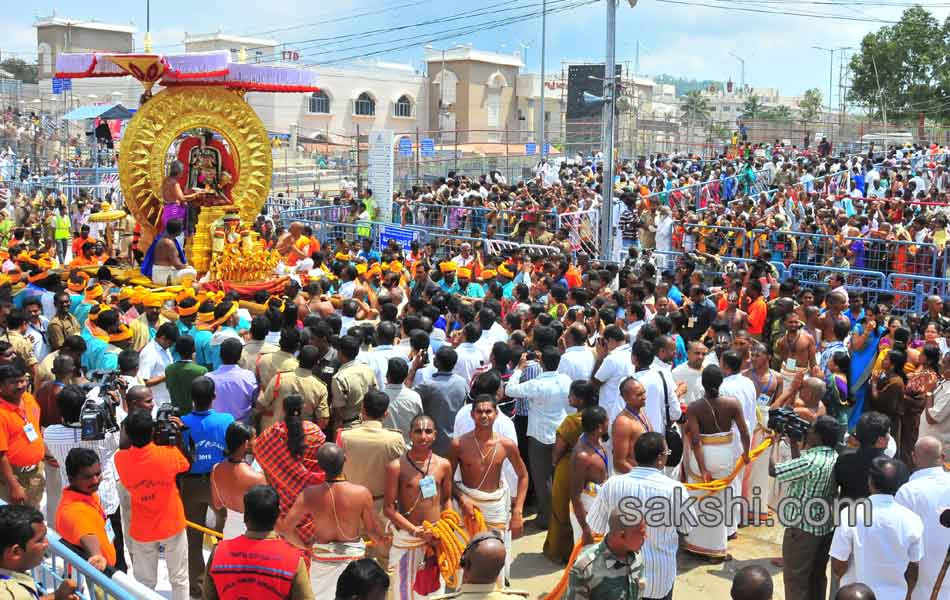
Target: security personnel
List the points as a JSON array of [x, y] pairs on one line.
[[350, 384], [302, 381], [259, 559], [482, 561], [612, 568], [370, 447]]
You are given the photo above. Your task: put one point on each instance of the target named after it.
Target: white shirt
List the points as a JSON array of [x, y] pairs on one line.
[[662, 541], [404, 405], [503, 426], [347, 289], [577, 362], [693, 378], [152, 362], [485, 343], [927, 494], [547, 402], [498, 332], [633, 329], [879, 553], [37, 335], [60, 439], [940, 412], [616, 367], [345, 324], [378, 360], [742, 388], [655, 408], [469, 359]]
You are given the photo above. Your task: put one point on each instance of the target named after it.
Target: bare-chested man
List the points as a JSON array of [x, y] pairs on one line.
[[631, 423], [418, 488], [794, 351], [804, 395], [233, 478], [589, 467], [737, 319], [836, 302], [712, 456], [479, 455], [169, 264], [344, 509], [768, 388]]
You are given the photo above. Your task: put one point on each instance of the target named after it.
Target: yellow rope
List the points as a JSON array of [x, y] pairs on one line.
[[452, 539], [561, 586], [718, 485], [202, 529]]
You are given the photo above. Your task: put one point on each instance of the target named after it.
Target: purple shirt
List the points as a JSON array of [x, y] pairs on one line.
[[234, 391]]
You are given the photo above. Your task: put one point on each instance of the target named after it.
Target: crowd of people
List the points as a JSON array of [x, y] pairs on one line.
[[349, 426]]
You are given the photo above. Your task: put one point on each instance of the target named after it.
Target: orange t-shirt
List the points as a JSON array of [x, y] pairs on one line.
[[20, 451], [148, 474], [757, 313], [301, 245], [80, 515], [82, 261]]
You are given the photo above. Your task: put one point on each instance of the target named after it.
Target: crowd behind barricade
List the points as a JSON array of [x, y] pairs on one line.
[[390, 417]]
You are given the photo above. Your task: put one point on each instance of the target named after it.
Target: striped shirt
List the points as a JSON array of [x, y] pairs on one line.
[[60, 439], [662, 542], [811, 475]]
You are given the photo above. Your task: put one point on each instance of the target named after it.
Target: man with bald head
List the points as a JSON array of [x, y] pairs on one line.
[[482, 561], [752, 583], [612, 568], [577, 362], [855, 591], [882, 545], [345, 509], [927, 494]]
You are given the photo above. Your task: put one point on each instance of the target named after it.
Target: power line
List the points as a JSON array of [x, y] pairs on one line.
[[780, 12]]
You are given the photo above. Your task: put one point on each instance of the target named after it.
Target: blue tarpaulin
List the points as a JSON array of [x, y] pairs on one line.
[[101, 111]]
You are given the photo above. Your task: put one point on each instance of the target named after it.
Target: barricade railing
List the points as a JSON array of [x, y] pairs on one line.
[[61, 563], [929, 286], [583, 229], [729, 242]]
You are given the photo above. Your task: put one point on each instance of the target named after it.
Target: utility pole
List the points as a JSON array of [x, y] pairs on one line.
[[610, 85], [544, 24], [741, 70], [831, 69]]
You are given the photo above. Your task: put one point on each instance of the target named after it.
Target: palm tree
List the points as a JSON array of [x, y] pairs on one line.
[[752, 107], [695, 108], [778, 113]]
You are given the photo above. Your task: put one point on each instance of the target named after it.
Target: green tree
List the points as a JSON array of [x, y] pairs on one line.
[[778, 113], [752, 107], [903, 68], [810, 104], [695, 108], [20, 69]]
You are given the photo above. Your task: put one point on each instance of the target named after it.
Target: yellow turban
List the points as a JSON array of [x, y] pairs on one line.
[[80, 285], [186, 292], [395, 266], [464, 273], [187, 312], [361, 268], [374, 270], [448, 266], [94, 292], [342, 256], [488, 274], [156, 300], [124, 333], [504, 271]]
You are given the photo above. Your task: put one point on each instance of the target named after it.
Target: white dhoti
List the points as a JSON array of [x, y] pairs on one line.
[[327, 563], [588, 495], [496, 509], [778, 490], [788, 374], [166, 275], [719, 455], [406, 555], [756, 483], [233, 524]]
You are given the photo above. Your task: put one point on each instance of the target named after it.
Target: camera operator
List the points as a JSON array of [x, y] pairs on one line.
[[810, 476], [205, 432], [148, 471], [62, 438]]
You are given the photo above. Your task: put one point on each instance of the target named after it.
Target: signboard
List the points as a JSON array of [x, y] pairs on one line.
[[530, 148], [402, 236], [380, 172], [427, 147], [405, 146], [547, 149], [61, 85], [585, 78]]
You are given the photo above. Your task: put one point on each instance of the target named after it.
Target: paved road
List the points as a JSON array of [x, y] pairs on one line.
[[533, 572]]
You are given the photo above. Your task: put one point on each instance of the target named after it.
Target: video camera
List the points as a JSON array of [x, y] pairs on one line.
[[166, 431], [97, 416], [785, 421]]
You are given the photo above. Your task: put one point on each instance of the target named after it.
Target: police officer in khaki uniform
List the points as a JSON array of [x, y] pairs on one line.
[[16, 327], [369, 448], [482, 561], [350, 383], [301, 381], [281, 361]]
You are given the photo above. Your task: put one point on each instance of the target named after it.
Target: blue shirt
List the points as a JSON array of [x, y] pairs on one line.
[[205, 436], [202, 346]]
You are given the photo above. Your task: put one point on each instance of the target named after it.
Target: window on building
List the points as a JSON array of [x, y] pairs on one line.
[[320, 103], [258, 56], [547, 117], [403, 107], [447, 95], [365, 105]]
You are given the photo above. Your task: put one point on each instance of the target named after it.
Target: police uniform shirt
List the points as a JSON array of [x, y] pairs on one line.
[[483, 591], [349, 386], [369, 448]]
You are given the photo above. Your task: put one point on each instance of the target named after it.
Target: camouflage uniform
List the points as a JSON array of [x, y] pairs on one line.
[[598, 574]]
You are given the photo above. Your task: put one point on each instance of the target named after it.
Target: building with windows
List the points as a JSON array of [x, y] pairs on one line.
[[255, 50], [55, 35]]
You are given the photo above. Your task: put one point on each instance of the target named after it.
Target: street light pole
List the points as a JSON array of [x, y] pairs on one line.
[[741, 70], [831, 69], [607, 148], [544, 20]]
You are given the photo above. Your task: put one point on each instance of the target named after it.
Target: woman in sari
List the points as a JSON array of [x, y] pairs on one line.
[[865, 340], [920, 385], [560, 539], [887, 391]]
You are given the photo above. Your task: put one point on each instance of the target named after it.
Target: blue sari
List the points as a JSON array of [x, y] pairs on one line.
[[862, 362], [149, 260]]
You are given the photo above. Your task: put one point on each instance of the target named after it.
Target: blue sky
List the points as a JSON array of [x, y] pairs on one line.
[[691, 41]]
